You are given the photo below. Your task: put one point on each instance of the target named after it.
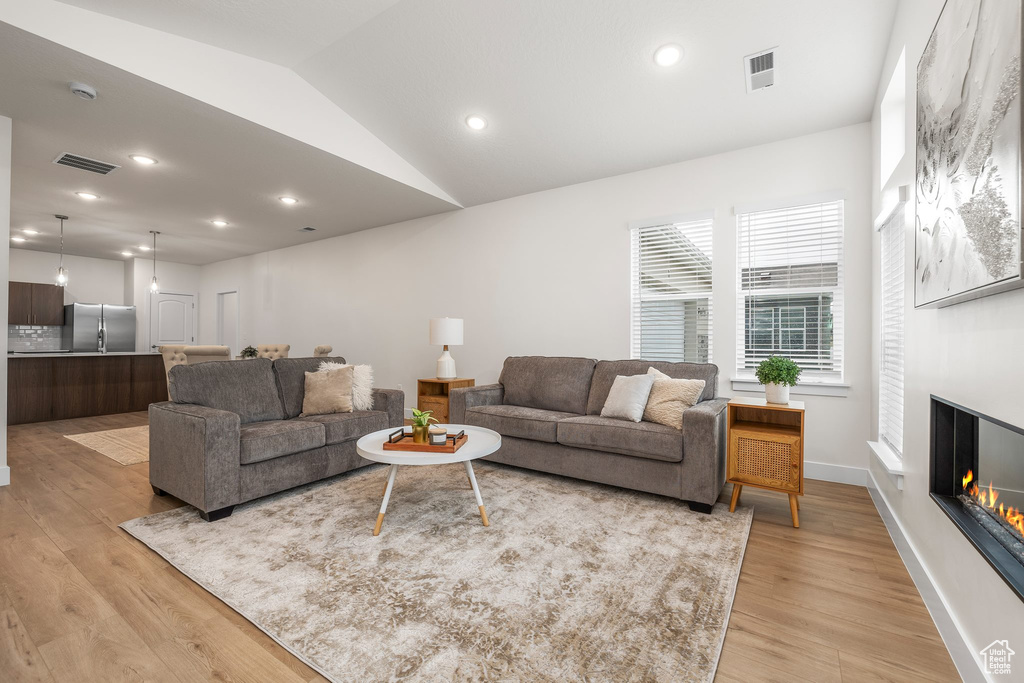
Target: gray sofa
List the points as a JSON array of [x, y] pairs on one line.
[[232, 432], [548, 412]]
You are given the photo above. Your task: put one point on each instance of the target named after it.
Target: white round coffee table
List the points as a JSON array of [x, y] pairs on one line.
[[480, 442]]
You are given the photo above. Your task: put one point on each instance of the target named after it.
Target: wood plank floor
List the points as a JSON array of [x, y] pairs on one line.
[[80, 600]]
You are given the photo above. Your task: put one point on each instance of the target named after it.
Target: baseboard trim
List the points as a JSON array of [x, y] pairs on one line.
[[840, 474], [5, 476], [963, 657]]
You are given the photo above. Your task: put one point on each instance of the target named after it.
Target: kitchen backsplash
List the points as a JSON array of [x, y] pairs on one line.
[[33, 338]]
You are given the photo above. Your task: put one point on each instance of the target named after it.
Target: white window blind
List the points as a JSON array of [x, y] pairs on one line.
[[790, 272], [890, 381], [671, 291]]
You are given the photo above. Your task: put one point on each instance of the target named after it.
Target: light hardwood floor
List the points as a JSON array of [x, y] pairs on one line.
[[83, 601]]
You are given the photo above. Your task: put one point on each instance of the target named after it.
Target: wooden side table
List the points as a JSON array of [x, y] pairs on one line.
[[432, 394], [766, 449]]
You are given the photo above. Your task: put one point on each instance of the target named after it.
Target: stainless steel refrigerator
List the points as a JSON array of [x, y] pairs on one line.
[[98, 327]]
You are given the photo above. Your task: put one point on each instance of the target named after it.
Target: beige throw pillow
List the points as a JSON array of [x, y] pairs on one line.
[[627, 397], [328, 392], [362, 383], [670, 397]]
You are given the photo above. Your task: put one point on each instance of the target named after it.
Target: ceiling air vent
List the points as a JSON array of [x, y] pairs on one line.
[[760, 68], [85, 163], [307, 229]]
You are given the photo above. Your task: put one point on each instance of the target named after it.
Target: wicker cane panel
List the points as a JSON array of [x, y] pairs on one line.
[[765, 462]]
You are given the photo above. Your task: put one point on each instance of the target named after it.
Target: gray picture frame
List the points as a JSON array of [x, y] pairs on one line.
[[973, 248]]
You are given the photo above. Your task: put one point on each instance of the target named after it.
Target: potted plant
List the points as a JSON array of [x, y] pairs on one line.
[[249, 352], [421, 420], [777, 374]]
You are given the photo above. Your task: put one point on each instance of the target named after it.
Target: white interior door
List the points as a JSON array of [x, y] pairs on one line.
[[171, 319], [227, 320]]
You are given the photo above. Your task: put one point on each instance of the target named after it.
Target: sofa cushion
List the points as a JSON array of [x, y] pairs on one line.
[[607, 370], [548, 383], [291, 380], [518, 421], [265, 440], [341, 427], [244, 387], [638, 439]]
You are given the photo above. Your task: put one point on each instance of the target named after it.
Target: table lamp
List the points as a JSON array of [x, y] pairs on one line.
[[445, 332]]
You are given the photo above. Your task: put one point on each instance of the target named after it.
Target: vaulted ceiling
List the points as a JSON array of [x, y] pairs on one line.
[[569, 89]]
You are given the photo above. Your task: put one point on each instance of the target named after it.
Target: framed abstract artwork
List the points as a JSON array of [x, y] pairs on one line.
[[968, 227]]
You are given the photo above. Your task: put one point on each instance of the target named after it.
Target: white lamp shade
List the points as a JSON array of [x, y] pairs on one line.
[[446, 331]]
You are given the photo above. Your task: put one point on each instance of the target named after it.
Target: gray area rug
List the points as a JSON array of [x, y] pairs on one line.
[[572, 581]]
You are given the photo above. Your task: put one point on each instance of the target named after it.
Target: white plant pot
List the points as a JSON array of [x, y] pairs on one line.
[[776, 393]]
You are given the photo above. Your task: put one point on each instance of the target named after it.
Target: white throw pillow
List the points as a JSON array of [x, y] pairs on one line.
[[362, 383], [670, 397], [628, 397]]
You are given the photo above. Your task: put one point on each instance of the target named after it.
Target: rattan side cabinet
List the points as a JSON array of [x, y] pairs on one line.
[[766, 449]]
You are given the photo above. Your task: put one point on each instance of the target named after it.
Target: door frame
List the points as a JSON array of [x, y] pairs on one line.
[[238, 320], [149, 317]]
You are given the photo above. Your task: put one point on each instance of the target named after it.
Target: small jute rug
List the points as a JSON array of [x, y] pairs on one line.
[[572, 581], [128, 446]]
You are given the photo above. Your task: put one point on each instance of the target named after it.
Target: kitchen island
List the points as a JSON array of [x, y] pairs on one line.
[[60, 386]]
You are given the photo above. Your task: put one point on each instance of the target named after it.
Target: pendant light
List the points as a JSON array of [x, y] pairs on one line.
[[62, 272], [154, 286]]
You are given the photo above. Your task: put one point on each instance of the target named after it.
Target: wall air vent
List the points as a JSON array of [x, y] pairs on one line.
[[85, 163], [760, 70], [307, 229]]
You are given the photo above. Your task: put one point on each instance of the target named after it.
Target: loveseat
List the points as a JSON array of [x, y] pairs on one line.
[[548, 412], [232, 432]]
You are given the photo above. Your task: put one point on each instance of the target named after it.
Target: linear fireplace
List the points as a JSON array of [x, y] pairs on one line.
[[977, 478]]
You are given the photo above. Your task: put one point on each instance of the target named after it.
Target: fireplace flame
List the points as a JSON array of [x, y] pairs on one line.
[[987, 499]]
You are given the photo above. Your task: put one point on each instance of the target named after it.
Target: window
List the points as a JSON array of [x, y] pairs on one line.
[[671, 291], [790, 275], [890, 381]]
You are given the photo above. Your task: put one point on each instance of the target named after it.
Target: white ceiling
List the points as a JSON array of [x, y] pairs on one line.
[[571, 90], [568, 86], [281, 31], [211, 165]]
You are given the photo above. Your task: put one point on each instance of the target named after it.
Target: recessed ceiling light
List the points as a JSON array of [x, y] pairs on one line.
[[142, 159], [289, 200], [87, 195], [17, 239], [476, 122], [668, 55], [127, 253], [142, 247], [219, 223], [30, 231]]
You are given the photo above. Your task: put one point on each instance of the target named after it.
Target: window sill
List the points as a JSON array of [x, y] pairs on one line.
[[889, 460], [801, 389]]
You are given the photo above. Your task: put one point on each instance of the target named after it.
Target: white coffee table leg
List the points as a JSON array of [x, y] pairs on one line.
[[476, 492], [387, 496]]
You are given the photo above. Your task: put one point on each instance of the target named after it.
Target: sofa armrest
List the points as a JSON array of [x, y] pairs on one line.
[[461, 399], [193, 454], [704, 449], [392, 402]]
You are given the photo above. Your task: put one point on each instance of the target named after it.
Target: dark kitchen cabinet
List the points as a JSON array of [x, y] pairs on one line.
[[47, 304], [32, 303], [19, 303], [63, 387]]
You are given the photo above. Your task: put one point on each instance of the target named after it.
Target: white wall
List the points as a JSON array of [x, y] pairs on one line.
[[969, 354], [5, 229], [173, 278], [548, 273], [90, 281]]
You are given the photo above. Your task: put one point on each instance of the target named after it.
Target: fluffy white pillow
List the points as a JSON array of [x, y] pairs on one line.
[[627, 397], [362, 383], [670, 397]]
